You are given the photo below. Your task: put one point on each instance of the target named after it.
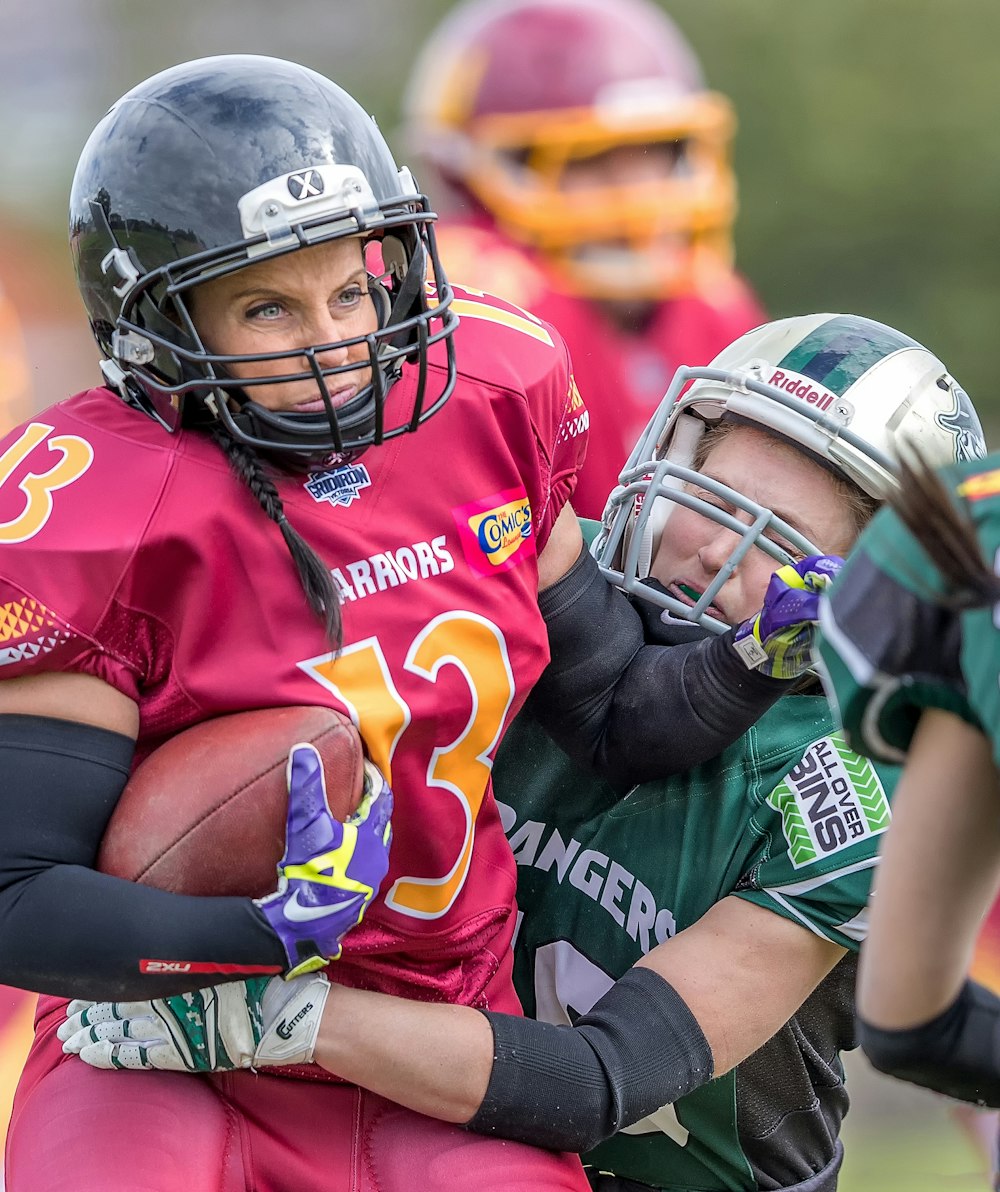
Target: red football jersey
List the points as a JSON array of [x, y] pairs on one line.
[[136, 556], [622, 376]]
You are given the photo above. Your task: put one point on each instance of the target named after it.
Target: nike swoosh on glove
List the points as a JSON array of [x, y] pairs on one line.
[[778, 641], [330, 871], [245, 1024]]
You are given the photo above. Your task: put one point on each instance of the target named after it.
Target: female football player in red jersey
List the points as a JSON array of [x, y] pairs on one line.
[[587, 172], [690, 949], [265, 288]]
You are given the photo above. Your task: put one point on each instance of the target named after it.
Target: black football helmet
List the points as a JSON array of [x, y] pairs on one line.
[[220, 163]]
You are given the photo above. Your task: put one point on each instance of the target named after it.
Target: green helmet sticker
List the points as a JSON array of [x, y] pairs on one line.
[[841, 350]]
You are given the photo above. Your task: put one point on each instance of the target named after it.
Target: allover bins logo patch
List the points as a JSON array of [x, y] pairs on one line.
[[832, 799]]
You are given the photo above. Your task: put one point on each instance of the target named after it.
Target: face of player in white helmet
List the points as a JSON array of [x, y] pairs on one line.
[[694, 549], [846, 394]]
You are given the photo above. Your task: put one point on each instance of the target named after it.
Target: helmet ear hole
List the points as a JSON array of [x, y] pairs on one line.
[[394, 257], [381, 300], [403, 269]]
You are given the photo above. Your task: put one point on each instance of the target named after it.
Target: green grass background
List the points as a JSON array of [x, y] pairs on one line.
[[899, 1138]]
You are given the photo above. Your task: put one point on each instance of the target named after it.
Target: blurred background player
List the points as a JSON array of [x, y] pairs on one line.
[[16, 1005], [15, 382], [589, 177]]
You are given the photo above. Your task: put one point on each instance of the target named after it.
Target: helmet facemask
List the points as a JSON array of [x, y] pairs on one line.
[[655, 483], [848, 392], [621, 237], [274, 159], [157, 346]]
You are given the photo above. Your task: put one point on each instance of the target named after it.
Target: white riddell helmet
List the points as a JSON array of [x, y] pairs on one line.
[[851, 392]]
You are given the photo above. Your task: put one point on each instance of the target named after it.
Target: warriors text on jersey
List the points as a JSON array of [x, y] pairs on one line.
[[135, 556], [623, 376], [787, 818]]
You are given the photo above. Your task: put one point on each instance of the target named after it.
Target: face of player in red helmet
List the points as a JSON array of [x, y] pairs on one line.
[[585, 129]]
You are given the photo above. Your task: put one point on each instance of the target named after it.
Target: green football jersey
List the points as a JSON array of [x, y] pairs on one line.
[[979, 489], [889, 647], [787, 818]]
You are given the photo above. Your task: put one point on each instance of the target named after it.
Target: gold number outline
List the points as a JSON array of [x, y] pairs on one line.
[[77, 456], [361, 680]]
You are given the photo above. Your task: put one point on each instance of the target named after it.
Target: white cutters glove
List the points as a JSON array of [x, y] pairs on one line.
[[244, 1024]]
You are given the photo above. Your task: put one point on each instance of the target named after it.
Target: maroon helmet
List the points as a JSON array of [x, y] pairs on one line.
[[509, 97]]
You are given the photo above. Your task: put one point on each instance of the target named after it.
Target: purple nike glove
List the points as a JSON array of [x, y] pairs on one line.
[[331, 870], [778, 641]]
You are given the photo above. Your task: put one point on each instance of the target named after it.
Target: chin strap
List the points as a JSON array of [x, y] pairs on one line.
[[410, 288]]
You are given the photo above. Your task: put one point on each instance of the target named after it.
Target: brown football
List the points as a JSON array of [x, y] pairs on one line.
[[205, 813]]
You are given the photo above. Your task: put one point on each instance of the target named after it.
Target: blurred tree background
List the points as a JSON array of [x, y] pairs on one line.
[[869, 162], [868, 156]]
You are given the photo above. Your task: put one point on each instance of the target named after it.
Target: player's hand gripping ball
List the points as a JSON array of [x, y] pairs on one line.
[[205, 813], [778, 641], [327, 877], [330, 870]]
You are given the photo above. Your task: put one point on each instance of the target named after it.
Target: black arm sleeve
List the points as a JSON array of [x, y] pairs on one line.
[[66, 929], [630, 710], [570, 1087], [957, 1053]]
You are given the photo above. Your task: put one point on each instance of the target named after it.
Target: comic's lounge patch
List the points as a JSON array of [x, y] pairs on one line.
[[496, 532]]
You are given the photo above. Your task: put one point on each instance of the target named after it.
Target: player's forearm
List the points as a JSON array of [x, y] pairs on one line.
[[72, 932], [956, 1053], [69, 931], [562, 1087], [627, 704], [435, 1059], [940, 862]]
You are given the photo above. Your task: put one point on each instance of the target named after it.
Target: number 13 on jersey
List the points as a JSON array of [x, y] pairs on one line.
[[361, 680]]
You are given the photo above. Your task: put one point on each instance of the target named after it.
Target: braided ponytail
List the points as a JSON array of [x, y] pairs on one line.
[[946, 533], [317, 583]]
